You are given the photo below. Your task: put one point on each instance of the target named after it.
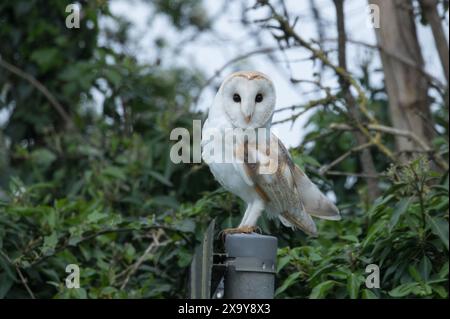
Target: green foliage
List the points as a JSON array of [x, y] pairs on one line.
[[105, 195], [405, 233], [184, 13], [97, 195]]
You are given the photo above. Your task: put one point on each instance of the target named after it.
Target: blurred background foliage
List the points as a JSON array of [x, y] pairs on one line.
[[98, 189]]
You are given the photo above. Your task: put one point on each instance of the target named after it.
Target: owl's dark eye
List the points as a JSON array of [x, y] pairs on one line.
[[236, 98], [258, 98]]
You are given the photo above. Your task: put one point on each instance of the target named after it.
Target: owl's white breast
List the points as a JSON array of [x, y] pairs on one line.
[[225, 173]]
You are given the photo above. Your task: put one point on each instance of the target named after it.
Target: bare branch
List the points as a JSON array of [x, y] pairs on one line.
[[310, 104], [360, 175], [323, 170], [341, 127], [19, 272], [319, 26], [386, 129], [229, 63], [66, 245], [289, 32], [394, 131], [305, 108], [155, 244], [397, 56], [41, 88], [25, 283]]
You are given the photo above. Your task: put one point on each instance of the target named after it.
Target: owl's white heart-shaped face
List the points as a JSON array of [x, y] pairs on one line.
[[248, 99]]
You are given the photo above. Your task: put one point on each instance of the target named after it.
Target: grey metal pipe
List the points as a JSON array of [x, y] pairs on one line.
[[251, 267]]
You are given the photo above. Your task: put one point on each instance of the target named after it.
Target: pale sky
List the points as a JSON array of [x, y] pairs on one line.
[[210, 52]]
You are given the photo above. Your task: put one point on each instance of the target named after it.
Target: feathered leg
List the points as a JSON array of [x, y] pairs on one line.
[[252, 214], [248, 223], [246, 214]]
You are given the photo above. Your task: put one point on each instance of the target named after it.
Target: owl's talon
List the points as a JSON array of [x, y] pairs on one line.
[[239, 230]]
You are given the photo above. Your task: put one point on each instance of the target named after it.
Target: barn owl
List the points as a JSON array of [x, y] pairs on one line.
[[244, 103]]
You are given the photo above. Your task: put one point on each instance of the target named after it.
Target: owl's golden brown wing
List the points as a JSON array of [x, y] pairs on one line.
[[288, 193]]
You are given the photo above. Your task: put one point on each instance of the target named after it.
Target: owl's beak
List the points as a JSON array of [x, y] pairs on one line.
[[248, 113]]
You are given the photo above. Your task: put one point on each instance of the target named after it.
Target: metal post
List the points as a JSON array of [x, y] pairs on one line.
[[250, 263]]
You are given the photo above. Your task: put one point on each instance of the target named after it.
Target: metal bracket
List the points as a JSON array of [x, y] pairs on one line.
[[247, 270], [252, 264]]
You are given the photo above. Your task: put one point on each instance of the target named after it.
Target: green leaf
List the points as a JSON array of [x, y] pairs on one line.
[[283, 261], [321, 290], [290, 280], [75, 235], [45, 57], [310, 160], [319, 271], [159, 289], [380, 203], [440, 290], [187, 225], [160, 178], [5, 284], [88, 150], [423, 290], [7, 268], [184, 258], [401, 207], [108, 291], [351, 238], [43, 157], [168, 201], [404, 290], [368, 294], [130, 252], [96, 216], [79, 293], [443, 273], [113, 76], [439, 227], [353, 284], [415, 273], [425, 268], [50, 243], [373, 232], [115, 172]]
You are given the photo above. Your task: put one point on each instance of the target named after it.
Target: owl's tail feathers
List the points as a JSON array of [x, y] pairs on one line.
[[314, 201], [299, 219]]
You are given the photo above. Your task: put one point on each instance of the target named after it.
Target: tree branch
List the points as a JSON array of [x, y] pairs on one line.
[[394, 131], [361, 175], [323, 170], [19, 272], [289, 32], [305, 108], [150, 249], [41, 88], [109, 231], [399, 57], [219, 71], [390, 130]]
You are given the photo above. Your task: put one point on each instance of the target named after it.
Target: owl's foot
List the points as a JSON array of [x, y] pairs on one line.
[[239, 230]]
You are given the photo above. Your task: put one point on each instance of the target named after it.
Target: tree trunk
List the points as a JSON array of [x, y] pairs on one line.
[[406, 87], [365, 157], [432, 16]]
